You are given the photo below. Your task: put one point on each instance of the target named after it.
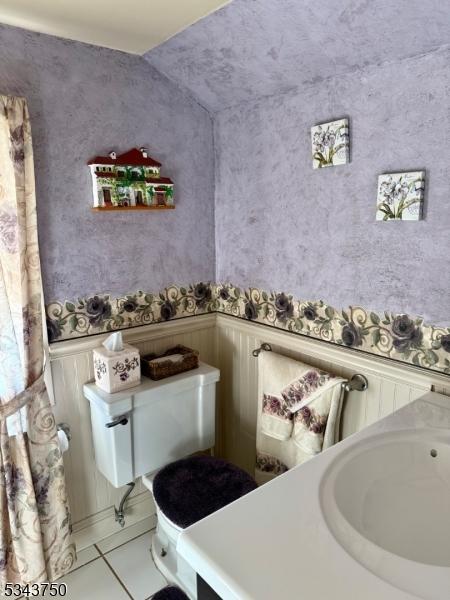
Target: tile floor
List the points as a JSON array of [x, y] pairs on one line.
[[117, 568]]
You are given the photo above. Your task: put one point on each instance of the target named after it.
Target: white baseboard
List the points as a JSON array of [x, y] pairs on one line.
[[101, 525]]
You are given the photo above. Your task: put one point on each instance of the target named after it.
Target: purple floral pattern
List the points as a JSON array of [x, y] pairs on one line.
[[301, 389], [8, 232], [395, 336], [311, 420], [35, 543], [269, 464], [123, 368], [14, 482], [100, 368], [274, 406], [101, 313]]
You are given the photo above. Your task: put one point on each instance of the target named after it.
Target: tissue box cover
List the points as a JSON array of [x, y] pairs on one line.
[[115, 371]]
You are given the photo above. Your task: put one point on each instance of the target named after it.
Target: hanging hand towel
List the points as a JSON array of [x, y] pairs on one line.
[[298, 413]]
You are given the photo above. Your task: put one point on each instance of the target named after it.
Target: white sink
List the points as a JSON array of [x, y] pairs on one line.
[[387, 502]]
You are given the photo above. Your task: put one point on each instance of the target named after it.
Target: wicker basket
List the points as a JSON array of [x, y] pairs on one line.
[[167, 368]]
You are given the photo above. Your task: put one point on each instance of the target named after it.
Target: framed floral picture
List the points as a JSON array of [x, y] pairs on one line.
[[330, 144], [400, 196]]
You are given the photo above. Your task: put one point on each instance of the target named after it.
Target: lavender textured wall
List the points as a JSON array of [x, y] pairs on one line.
[[85, 101], [279, 224], [282, 225], [252, 48]]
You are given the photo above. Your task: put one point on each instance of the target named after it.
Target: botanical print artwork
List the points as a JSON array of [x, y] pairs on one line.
[[396, 336], [400, 196], [330, 144]]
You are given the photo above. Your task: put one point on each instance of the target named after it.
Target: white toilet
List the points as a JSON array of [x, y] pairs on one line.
[[164, 550], [140, 430]]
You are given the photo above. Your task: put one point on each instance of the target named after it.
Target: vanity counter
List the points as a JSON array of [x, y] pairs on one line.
[[274, 543]]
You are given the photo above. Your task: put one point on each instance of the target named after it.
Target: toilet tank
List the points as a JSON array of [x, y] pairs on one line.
[[141, 429]]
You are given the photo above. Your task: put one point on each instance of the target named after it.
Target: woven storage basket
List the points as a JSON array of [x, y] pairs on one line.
[[164, 369]]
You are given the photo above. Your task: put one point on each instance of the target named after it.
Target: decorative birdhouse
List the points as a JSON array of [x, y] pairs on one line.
[[129, 181]]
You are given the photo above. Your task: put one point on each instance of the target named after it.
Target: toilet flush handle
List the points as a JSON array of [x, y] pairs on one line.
[[120, 421]]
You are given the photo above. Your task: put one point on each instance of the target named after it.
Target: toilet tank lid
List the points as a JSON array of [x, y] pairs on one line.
[[204, 375]]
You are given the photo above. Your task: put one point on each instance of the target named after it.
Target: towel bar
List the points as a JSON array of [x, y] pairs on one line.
[[264, 346], [357, 383]]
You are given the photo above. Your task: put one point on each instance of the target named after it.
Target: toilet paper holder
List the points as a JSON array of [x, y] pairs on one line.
[[66, 428]]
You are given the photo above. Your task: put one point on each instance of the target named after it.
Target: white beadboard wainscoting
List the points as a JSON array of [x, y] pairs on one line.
[[227, 343], [391, 384], [91, 496]]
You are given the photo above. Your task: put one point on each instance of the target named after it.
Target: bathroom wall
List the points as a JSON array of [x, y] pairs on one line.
[[253, 48], [280, 225], [85, 101]]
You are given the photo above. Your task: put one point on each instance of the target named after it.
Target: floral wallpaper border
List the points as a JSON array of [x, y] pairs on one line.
[[396, 336], [101, 313]]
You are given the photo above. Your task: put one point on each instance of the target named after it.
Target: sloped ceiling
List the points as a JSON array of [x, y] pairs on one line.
[[252, 48]]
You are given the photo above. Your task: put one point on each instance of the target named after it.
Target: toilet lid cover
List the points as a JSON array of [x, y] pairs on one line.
[[190, 489], [170, 593]]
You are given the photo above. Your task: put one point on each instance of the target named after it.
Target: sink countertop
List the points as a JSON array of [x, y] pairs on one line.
[[274, 544]]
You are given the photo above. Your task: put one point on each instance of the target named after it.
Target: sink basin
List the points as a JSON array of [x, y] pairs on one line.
[[387, 502]]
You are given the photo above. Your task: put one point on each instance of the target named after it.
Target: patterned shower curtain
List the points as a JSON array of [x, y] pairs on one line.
[[35, 541]]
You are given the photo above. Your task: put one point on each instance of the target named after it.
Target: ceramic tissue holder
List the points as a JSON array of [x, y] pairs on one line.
[[117, 365]]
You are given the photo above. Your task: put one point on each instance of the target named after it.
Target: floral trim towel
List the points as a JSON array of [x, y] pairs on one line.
[[298, 416], [301, 411]]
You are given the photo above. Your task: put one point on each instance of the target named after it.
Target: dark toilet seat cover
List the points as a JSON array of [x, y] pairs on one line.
[[170, 593], [190, 489]]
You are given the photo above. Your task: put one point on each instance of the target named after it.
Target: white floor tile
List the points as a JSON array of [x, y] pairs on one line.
[[127, 534], [135, 568], [94, 581], [84, 556]]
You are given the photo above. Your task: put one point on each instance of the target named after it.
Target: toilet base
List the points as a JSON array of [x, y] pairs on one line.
[[173, 568], [186, 491], [164, 550]]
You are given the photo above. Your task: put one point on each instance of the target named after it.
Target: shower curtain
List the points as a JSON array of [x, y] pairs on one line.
[[35, 541]]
